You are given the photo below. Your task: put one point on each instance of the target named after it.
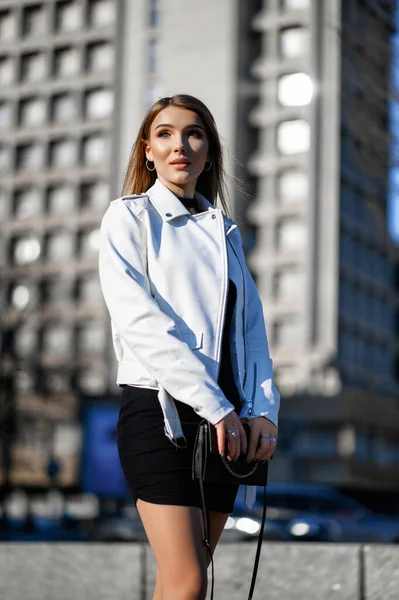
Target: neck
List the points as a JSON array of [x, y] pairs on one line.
[[184, 191]]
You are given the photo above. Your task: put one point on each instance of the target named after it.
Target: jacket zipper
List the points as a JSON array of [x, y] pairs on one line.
[[224, 297], [251, 406]]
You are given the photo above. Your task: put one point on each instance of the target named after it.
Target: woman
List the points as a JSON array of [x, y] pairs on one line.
[[188, 333]]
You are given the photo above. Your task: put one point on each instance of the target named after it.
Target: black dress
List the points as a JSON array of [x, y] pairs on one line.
[[154, 468]]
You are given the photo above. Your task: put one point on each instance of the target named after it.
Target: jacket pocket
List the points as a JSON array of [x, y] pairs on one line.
[[194, 340]]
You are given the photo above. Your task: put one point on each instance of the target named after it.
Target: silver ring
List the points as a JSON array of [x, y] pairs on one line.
[[267, 436], [232, 431]]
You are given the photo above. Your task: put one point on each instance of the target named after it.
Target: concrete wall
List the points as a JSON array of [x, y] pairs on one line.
[[127, 572]]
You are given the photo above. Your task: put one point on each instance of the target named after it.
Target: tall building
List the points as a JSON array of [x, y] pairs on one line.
[[299, 89]]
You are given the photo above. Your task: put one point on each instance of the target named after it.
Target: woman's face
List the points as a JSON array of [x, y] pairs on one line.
[[178, 147]]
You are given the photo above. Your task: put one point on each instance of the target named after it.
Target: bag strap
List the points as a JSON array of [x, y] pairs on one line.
[[205, 516]]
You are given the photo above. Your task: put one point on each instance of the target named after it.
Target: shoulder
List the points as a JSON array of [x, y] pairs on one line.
[[135, 203]]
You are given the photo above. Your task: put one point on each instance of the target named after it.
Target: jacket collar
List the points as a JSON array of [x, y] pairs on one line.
[[169, 206]]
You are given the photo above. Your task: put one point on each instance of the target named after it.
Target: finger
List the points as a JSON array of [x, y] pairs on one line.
[[233, 439], [243, 439], [221, 437], [265, 450], [253, 443]]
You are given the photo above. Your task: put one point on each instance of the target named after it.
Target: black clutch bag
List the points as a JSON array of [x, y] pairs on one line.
[[209, 466]]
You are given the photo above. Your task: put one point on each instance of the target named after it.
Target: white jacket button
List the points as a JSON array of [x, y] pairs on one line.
[[168, 214]]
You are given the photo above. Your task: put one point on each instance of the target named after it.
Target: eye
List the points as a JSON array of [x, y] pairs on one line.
[[196, 132], [163, 133]]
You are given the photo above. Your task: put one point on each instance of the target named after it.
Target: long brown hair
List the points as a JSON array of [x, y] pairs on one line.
[[210, 184]]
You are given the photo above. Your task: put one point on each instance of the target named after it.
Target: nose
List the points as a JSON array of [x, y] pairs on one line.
[[180, 146]]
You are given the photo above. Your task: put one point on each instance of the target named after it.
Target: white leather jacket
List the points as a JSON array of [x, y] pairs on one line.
[[164, 275]]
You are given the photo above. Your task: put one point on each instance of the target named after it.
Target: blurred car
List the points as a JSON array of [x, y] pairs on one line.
[[312, 512]]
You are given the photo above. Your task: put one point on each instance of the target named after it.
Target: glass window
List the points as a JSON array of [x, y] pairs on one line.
[[289, 284], [29, 157], [25, 250], [94, 195], [88, 289], [60, 246], [68, 16], [5, 158], [55, 289], [66, 62], [152, 56], [89, 243], [92, 381], [288, 330], [295, 4], [63, 153], [7, 72], [32, 112], [5, 115], [92, 338], [291, 235], [63, 108], [27, 202], [56, 382], [33, 67], [287, 378], [25, 340], [57, 338], [8, 25], [100, 57], [20, 295], [292, 186], [102, 13], [295, 89], [61, 199], [34, 20], [294, 42], [293, 137], [99, 103], [95, 149]]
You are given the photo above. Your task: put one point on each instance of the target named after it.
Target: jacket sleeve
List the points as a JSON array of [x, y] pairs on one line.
[[261, 395], [149, 333]]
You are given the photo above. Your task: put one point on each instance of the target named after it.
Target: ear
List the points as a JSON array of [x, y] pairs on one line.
[[148, 152]]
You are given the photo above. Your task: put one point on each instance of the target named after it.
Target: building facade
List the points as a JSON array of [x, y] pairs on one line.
[[299, 90]]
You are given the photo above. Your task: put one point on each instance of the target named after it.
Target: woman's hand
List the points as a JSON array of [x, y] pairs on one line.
[[260, 446], [231, 428]]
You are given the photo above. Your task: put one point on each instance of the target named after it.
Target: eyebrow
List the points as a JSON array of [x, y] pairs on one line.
[[173, 127]]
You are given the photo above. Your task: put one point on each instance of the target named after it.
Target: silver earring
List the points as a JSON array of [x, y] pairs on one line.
[[210, 165], [146, 164]]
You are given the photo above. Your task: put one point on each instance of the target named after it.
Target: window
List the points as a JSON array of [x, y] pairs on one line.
[[92, 381], [289, 284], [56, 382], [63, 153], [152, 56], [95, 149], [27, 203], [32, 112], [29, 157], [61, 200], [34, 20], [5, 158], [55, 289], [99, 103], [94, 196], [33, 67], [295, 4], [60, 246], [294, 42], [88, 289], [7, 72], [295, 89], [26, 341], [63, 108], [57, 339], [92, 338], [20, 295], [100, 57], [293, 137], [66, 62], [25, 250], [8, 25], [5, 115], [102, 13], [89, 243], [287, 379], [291, 235], [288, 331], [292, 186], [68, 16]]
